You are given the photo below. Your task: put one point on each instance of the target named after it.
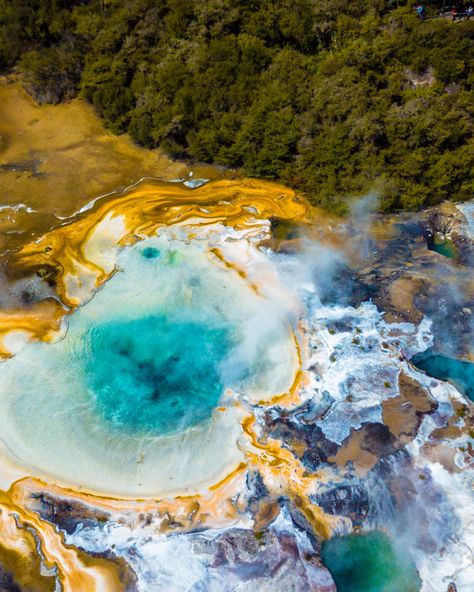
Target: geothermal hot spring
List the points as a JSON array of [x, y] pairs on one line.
[[139, 390], [187, 406]]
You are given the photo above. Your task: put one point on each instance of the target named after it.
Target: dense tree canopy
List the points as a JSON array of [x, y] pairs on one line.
[[333, 97]]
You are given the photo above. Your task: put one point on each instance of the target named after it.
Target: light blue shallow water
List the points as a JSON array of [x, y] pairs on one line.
[[156, 373]]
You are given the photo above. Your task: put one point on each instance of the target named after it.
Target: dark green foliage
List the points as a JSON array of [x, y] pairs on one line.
[[336, 98], [60, 65]]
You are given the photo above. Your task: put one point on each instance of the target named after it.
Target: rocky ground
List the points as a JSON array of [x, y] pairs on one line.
[[388, 447]]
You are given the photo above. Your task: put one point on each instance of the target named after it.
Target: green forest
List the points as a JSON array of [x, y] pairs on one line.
[[332, 97]]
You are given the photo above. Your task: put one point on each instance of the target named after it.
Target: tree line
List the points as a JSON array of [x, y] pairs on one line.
[[333, 97]]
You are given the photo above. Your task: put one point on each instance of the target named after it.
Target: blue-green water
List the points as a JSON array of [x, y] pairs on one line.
[[150, 253], [459, 372], [443, 246], [155, 374], [369, 563]]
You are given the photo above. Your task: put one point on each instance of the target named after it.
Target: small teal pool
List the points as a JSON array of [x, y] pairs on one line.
[[459, 372], [443, 246], [150, 253], [156, 374], [369, 563]]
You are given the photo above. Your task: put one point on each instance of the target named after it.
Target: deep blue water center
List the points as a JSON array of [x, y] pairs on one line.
[[155, 374]]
